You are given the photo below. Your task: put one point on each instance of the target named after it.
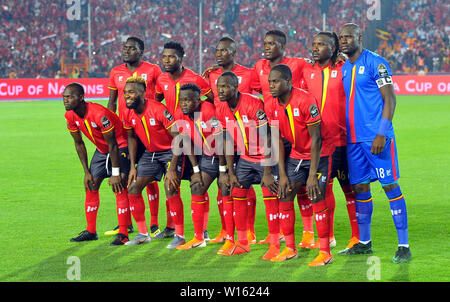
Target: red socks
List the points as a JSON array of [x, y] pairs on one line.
[[91, 204], [228, 214], [220, 207], [123, 213], [271, 203], [153, 201], [169, 222], [176, 211], [241, 213], [198, 205], [137, 207], [322, 218], [287, 223], [251, 210], [331, 205], [306, 210], [350, 197]]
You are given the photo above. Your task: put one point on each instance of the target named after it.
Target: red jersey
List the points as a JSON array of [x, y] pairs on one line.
[[293, 120], [202, 128], [170, 89], [243, 123], [97, 121], [152, 126], [262, 69], [121, 73], [248, 80], [325, 83]]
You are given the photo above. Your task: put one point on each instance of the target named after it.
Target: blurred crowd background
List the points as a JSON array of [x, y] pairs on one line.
[[39, 40]]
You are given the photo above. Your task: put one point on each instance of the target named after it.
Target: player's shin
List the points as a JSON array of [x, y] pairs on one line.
[[306, 211], [287, 222], [331, 205], [322, 218], [198, 203], [251, 210], [399, 214], [350, 199], [91, 205], [364, 209], [123, 211], [176, 211], [271, 203], [137, 207], [228, 210], [241, 213], [153, 202]]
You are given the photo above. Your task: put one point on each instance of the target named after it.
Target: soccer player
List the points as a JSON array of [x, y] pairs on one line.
[[274, 53], [132, 53], [154, 125], [323, 80], [371, 147], [299, 121], [104, 129], [248, 83], [168, 84], [197, 120], [243, 118]]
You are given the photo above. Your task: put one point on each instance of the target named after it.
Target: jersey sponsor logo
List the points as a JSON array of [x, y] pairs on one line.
[[313, 111], [312, 76], [382, 70], [122, 211], [361, 70], [296, 112], [276, 113], [133, 121], [260, 115], [120, 78], [152, 122], [239, 80], [166, 87], [91, 209], [105, 122], [168, 116], [78, 124], [334, 73]]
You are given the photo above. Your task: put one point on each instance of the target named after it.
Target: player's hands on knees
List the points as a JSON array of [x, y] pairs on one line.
[[268, 181], [378, 144], [284, 187], [132, 176], [196, 179], [312, 186], [88, 182], [172, 181], [224, 180], [234, 181], [116, 184]]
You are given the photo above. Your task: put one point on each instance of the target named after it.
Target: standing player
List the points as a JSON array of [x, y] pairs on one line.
[[197, 120], [243, 118], [248, 82], [299, 121], [274, 53], [371, 147], [323, 80], [104, 129], [132, 53]]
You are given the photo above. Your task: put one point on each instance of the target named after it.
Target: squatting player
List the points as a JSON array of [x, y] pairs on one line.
[[371, 147], [323, 80], [296, 114], [132, 53], [104, 129]]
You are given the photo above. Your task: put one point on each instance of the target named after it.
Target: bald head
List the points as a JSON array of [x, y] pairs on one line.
[[350, 40]]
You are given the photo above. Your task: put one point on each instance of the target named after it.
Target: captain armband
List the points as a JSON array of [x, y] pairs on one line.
[[384, 81]]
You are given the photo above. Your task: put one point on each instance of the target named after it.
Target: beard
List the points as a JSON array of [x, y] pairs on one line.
[[136, 103]]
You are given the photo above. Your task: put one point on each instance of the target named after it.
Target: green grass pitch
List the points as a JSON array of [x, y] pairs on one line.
[[42, 207]]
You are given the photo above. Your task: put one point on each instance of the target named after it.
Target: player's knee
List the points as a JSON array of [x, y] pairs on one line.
[[361, 188], [389, 187], [197, 189]]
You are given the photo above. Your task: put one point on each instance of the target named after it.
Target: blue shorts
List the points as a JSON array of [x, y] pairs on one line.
[[363, 166]]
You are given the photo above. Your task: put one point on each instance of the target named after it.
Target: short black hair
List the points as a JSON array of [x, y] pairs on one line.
[[228, 39], [284, 70], [177, 46], [138, 41], [232, 75], [77, 86], [278, 33], [191, 86]]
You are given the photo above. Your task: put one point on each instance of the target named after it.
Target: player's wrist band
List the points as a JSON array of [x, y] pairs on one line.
[[385, 124], [115, 171], [222, 169], [196, 169]]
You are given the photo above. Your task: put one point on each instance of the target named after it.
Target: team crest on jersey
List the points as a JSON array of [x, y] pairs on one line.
[[361, 70], [214, 122], [152, 122], [296, 112], [308, 60], [168, 116], [105, 122], [313, 111], [203, 124], [244, 119], [144, 76], [94, 124], [334, 73]]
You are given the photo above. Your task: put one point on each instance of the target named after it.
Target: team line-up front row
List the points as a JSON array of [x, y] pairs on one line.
[[317, 120]]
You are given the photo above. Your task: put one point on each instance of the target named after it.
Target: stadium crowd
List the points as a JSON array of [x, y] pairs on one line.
[[34, 37]]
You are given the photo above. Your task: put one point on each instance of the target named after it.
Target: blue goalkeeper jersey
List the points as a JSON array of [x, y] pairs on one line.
[[362, 82]]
